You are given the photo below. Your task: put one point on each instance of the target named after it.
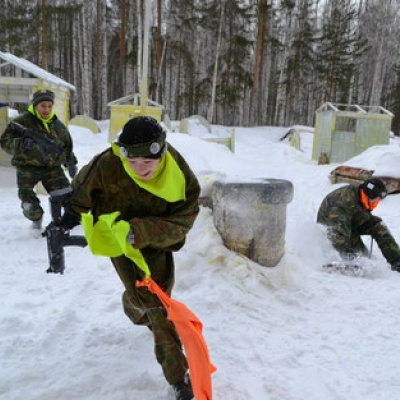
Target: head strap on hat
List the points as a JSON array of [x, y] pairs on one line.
[[142, 136], [153, 149]]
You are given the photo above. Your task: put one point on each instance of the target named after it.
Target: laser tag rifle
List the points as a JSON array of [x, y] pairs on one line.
[[57, 236], [41, 140]]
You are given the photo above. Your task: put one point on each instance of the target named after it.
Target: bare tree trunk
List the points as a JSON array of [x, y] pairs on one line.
[[130, 67], [140, 18], [159, 74], [77, 62], [98, 50], [254, 105], [380, 50], [145, 62], [44, 35], [178, 74], [159, 36], [87, 52], [160, 51], [104, 59], [122, 44], [210, 111]]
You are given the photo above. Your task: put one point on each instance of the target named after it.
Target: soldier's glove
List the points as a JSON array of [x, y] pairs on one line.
[[72, 169], [396, 266], [69, 220], [28, 143]]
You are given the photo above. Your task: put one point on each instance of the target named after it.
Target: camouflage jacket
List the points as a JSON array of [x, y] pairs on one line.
[[103, 187], [343, 211], [40, 155]]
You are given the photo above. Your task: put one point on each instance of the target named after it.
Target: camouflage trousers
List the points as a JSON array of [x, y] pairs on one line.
[[27, 177], [144, 308], [353, 246], [348, 247]]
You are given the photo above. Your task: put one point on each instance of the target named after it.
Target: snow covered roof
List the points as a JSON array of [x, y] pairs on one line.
[[34, 70]]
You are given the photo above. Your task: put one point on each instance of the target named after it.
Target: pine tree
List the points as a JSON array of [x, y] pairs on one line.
[[17, 32], [339, 48]]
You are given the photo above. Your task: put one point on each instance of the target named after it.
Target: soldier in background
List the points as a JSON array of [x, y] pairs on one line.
[[40, 147], [347, 214], [152, 187]]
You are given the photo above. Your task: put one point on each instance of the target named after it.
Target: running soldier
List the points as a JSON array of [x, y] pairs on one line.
[[149, 185]]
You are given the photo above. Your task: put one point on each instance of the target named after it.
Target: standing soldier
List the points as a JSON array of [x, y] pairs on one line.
[[40, 144], [347, 214], [145, 182]]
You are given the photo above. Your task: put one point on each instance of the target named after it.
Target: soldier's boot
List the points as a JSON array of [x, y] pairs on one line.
[[183, 390], [33, 212]]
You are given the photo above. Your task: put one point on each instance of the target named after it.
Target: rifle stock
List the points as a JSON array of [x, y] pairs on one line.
[[56, 235]]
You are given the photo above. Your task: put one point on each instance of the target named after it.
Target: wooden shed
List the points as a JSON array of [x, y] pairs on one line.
[[19, 79], [125, 108], [343, 131]]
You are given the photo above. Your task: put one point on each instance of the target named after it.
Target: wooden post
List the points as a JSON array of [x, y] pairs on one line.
[[145, 63]]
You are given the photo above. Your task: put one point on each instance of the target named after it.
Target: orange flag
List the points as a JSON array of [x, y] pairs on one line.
[[189, 328]]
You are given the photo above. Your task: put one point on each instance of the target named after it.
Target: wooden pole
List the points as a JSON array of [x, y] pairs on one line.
[[146, 26]]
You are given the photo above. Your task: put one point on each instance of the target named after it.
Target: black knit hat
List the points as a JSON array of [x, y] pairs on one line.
[[374, 188], [42, 95], [142, 137]]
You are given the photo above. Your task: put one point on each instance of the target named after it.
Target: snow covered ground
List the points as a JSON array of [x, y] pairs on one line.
[[293, 332]]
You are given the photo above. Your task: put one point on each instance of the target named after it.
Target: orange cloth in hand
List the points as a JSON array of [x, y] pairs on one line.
[[189, 328]]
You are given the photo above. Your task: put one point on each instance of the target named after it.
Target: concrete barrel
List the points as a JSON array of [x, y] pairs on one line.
[[251, 217]]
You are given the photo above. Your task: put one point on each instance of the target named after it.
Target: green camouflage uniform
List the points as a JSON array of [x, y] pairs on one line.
[[347, 219], [39, 164], [103, 186]]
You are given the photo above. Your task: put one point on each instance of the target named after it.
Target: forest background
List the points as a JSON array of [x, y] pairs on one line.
[[235, 62]]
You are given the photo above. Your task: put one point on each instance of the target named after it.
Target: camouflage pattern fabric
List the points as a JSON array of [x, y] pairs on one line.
[[13, 144], [102, 187], [347, 219], [27, 177], [144, 308]]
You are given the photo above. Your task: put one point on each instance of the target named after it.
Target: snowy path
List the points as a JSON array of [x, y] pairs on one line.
[[292, 332]]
